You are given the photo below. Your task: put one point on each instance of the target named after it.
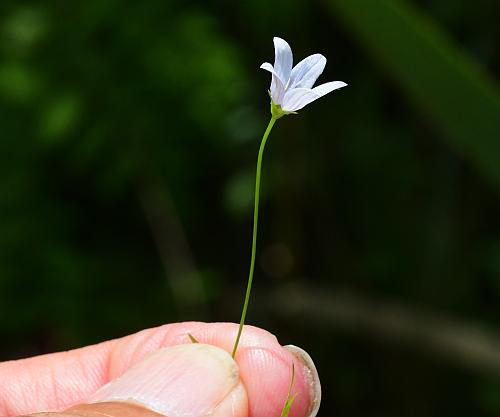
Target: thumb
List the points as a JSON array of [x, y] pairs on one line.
[[190, 380]]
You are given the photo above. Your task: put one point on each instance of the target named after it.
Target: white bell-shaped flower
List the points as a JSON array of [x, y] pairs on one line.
[[292, 88]]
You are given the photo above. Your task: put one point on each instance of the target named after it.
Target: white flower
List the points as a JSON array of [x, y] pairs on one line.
[[291, 89]]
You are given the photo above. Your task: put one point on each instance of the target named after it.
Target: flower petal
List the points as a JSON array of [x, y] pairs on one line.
[[328, 87], [298, 98], [268, 67], [277, 89], [307, 71], [283, 60]]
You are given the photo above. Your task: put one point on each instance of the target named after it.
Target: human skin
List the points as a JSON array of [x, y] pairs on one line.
[[58, 381]]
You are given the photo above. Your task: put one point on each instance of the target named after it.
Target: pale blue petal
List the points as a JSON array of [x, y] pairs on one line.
[[298, 98], [283, 60], [307, 71], [267, 66], [277, 89], [328, 87]]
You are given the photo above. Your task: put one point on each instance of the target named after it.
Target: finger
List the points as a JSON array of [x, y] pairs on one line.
[[181, 381], [58, 381]]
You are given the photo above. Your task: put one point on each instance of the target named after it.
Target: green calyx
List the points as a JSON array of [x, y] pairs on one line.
[[277, 111]]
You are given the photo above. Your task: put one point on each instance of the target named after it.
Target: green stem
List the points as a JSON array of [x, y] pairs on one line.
[[254, 238]]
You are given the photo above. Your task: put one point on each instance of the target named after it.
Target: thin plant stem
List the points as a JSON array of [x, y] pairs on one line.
[[254, 237]]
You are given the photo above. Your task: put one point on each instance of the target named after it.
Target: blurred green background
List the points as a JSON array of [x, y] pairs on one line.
[[128, 138]]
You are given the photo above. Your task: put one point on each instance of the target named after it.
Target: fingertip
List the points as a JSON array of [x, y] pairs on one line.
[[266, 369], [310, 377], [267, 374]]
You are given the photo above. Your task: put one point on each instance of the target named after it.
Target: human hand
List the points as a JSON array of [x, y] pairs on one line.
[[115, 378]]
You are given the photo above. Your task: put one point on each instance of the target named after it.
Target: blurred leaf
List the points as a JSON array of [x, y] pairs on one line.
[[439, 78], [18, 83], [23, 29], [194, 63], [238, 193], [243, 124], [59, 116]]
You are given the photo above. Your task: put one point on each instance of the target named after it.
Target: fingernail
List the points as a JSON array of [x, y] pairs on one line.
[[311, 375], [179, 381]]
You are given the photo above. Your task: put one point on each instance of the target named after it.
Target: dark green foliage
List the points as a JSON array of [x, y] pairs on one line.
[[128, 138]]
